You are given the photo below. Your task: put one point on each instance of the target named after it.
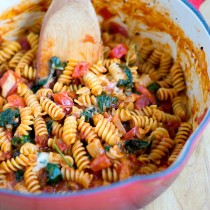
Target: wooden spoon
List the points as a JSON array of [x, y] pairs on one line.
[[70, 30]]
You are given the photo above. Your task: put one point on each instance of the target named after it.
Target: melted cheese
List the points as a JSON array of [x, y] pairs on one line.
[[42, 160]]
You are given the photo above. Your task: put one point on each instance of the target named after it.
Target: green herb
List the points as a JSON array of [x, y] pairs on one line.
[[39, 84], [105, 101], [18, 141], [53, 174], [8, 117], [153, 87], [62, 155], [56, 63], [88, 113], [49, 126], [133, 145], [107, 148], [128, 83], [19, 175]]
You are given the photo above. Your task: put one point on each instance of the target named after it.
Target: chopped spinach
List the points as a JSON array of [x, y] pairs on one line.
[[127, 83], [153, 87], [107, 148], [133, 145], [19, 175], [53, 174], [105, 101], [39, 84], [88, 113], [56, 63], [49, 126], [18, 141], [8, 117]]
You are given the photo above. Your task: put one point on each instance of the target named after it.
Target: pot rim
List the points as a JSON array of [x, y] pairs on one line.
[[173, 169]]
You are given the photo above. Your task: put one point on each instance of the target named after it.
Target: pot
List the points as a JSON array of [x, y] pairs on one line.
[[178, 26]]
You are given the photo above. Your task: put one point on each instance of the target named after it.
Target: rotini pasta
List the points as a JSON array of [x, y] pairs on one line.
[[80, 156], [125, 114], [9, 50], [27, 119], [93, 83], [31, 180], [69, 130], [30, 98], [52, 109], [77, 176], [86, 130], [5, 142], [106, 130]]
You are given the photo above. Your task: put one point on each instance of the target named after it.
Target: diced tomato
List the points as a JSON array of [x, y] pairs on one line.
[[131, 133], [8, 83], [25, 44], [61, 145], [100, 163], [119, 51], [147, 94], [142, 102], [16, 101], [41, 140], [116, 28], [105, 13], [64, 100], [80, 70]]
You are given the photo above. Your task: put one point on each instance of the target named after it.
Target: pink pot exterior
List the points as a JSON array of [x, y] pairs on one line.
[[133, 193]]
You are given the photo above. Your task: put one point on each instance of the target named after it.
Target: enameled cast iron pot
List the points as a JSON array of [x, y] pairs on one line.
[[174, 22]]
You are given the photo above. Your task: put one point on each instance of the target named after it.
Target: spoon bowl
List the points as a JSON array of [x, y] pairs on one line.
[[70, 31]]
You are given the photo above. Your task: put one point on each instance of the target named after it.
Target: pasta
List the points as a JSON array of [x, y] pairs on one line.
[[27, 119], [80, 155], [9, 50], [30, 98], [31, 180], [51, 108], [69, 130], [89, 125]]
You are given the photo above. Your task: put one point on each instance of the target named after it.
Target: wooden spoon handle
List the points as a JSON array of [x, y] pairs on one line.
[[70, 30]]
